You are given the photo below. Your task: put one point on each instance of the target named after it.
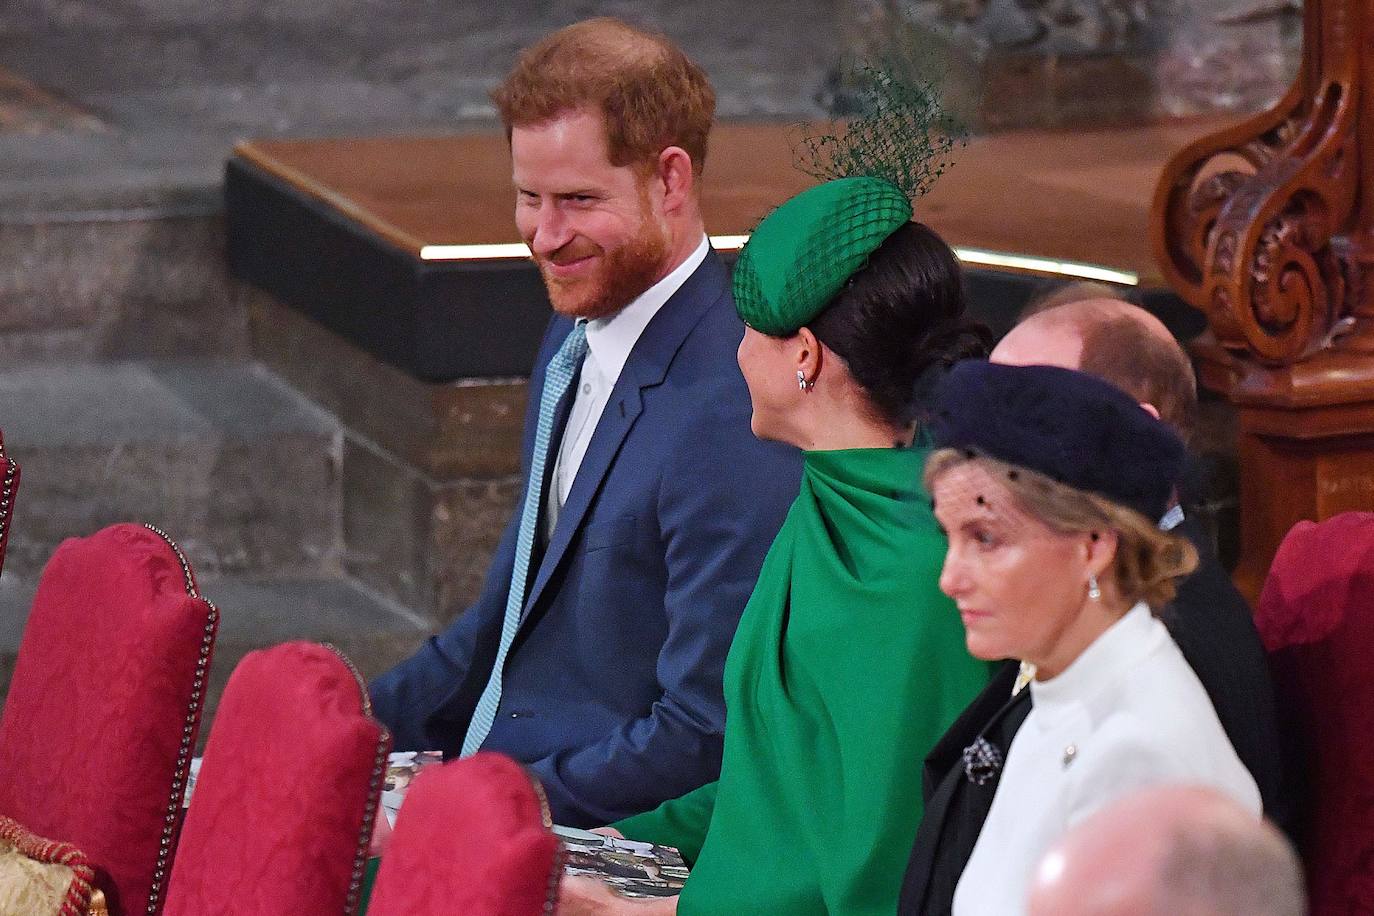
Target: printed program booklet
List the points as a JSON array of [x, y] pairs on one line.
[[633, 868], [401, 768]]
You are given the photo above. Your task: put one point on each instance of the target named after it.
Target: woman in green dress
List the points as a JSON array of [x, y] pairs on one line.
[[848, 663]]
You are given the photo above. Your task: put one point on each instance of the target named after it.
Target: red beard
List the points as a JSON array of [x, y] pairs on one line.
[[617, 278]]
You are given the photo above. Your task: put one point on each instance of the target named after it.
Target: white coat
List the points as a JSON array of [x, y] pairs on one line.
[[1126, 714]]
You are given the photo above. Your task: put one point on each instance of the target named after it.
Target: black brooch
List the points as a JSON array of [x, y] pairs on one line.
[[982, 762]]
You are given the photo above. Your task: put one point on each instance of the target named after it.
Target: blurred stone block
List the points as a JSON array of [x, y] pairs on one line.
[[30, 109], [1005, 64], [241, 470], [105, 289], [423, 541], [431, 471], [255, 612], [446, 430]]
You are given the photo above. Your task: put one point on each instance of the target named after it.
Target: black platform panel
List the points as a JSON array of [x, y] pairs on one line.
[[438, 320], [446, 320]]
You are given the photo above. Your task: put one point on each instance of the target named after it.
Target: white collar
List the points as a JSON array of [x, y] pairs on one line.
[[611, 339], [1172, 519], [1109, 657]]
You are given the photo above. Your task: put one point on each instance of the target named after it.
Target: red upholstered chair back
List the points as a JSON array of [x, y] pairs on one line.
[[9, 485], [104, 706], [1316, 616], [473, 837], [282, 813]]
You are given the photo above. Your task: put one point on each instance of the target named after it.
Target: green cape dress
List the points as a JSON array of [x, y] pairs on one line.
[[848, 665]]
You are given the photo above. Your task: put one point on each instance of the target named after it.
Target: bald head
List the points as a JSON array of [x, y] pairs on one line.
[[1116, 341], [1169, 851]]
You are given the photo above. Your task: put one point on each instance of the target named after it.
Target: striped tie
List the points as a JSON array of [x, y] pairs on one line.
[[562, 369]]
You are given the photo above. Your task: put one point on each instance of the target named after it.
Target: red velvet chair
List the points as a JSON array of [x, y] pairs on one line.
[[104, 707], [473, 837], [1316, 616], [282, 813], [9, 485]]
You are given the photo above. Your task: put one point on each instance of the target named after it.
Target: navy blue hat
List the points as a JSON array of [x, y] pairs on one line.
[[1070, 426]]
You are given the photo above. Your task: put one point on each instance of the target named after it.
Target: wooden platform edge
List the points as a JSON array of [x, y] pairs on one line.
[[249, 151]]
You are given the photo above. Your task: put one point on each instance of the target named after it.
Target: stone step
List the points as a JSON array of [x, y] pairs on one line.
[[372, 630], [130, 283], [236, 465]]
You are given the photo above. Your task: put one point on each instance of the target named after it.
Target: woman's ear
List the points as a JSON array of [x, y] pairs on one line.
[[808, 354], [1100, 550]]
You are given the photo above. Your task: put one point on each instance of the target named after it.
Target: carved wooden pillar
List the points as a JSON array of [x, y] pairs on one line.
[[1268, 227]]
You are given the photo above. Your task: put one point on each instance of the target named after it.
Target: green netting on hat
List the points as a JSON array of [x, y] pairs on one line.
[[896, 128], [804, 251]]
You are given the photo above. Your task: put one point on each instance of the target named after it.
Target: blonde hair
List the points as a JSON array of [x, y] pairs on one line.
[[1148, 562]]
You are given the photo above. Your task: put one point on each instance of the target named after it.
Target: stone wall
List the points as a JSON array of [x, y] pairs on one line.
[[1062, 63]]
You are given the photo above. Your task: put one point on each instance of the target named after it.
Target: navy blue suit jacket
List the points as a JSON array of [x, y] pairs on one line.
[[612, 688]]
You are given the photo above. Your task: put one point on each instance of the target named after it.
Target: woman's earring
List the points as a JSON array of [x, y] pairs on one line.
[[1094, 592], [802, 383]]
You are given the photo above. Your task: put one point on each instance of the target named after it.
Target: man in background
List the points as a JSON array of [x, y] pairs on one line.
[[1208, 618], [595, 651], [1169, 851]]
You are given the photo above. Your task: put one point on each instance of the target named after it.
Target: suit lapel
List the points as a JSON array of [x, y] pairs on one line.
[[980, 715], [622, 409], [944, 778], [646, 367], [562, 412]]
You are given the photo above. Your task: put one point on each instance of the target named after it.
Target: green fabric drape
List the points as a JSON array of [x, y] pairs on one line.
[[848, 665]]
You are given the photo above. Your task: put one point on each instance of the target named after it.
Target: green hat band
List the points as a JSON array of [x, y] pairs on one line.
[[803, 252]]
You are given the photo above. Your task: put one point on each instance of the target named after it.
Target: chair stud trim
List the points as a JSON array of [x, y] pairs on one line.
[[374, 789], [546, 818], [6, 493], [191, 588], [193, 711]]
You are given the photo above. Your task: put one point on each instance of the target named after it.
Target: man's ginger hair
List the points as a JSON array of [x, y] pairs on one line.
[[649, 94]]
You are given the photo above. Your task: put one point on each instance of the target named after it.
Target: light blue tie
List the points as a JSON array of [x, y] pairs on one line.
[[557, 379]]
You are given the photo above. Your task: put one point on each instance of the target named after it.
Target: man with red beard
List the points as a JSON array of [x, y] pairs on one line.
[[595, 652]]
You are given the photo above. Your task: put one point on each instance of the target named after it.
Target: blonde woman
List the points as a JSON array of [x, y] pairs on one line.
[[1048, 485]]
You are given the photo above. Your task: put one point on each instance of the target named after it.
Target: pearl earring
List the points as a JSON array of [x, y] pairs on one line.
[[1094, 592], [802, 383]]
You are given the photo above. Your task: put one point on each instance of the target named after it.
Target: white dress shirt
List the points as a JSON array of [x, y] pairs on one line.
[[609, 342], [1127, 713]]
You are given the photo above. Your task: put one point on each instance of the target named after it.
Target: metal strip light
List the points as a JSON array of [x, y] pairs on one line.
[[977, 256]]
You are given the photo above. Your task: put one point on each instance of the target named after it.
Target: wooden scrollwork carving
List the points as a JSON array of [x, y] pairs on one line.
[[1257, 225]]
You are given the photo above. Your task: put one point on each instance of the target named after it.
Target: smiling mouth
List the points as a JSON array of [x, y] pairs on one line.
[[567, 267]]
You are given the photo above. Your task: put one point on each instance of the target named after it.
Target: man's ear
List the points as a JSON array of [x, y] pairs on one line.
[[678, 179]]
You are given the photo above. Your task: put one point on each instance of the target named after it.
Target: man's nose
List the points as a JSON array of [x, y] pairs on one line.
[[551, 231]]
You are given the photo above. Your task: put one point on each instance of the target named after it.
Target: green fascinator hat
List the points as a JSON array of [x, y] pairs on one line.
[[893, 146], [802, 254]]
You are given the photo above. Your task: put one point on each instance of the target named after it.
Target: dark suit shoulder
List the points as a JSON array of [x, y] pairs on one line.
[[1215, 630], [971, 722], [956, 807]]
